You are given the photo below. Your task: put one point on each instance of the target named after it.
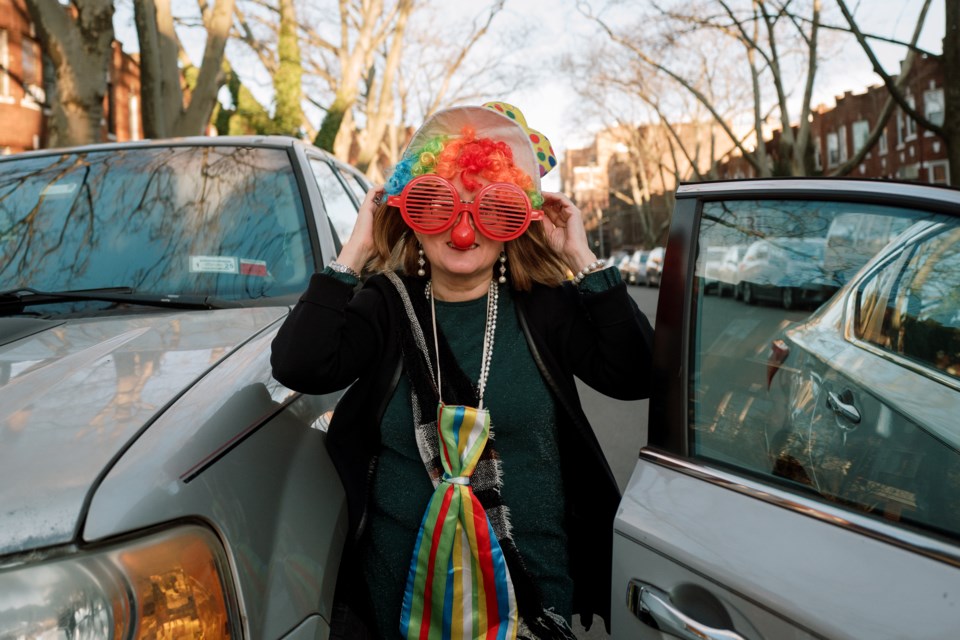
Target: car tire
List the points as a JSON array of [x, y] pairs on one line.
[[788, 298], [748, 296]]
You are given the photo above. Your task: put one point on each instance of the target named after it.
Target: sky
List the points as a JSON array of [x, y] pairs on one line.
[[556, 28]]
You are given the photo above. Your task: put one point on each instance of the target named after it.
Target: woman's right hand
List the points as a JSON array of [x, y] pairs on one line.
[[360, 248]]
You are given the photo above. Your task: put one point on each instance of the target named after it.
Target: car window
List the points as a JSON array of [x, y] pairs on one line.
[[829, 362], [355, 183], [217, 221], [911, 307], [341, 211]]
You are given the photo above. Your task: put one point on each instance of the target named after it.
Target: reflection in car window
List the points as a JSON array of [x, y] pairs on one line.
[[783, 390], [355, 183], [911, 307], [218, 221], [341, 211]]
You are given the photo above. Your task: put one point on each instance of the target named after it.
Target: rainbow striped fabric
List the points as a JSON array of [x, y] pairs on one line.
[[458, 586]]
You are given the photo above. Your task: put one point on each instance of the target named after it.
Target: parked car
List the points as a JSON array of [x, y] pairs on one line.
[[789, 271], [615, 258], [728, 273], [709, 267], [801, 477], [854, 238], [899, 320], [631, 269], [154, 475], [654, 267]]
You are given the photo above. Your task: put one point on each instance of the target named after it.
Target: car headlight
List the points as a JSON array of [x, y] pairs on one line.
[[171, 584]]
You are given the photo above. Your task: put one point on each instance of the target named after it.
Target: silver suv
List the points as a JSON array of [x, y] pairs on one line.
[[155, 479]]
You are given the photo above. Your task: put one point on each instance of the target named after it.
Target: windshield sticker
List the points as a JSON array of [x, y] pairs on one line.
[[253, 268], [213, 264], [59, 189]]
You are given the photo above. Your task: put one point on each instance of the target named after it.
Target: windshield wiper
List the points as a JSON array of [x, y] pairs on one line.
[[20, 298]]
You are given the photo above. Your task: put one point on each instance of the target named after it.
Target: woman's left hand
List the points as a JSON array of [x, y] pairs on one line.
[[563, 223]]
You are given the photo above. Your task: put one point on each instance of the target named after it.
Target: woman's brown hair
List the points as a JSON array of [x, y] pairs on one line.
[[530, 258]]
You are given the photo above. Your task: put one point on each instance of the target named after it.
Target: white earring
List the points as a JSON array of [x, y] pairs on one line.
[[421, 261]]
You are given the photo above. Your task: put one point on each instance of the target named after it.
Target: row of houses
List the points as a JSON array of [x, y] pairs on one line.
[[25, 82], [624, 180]]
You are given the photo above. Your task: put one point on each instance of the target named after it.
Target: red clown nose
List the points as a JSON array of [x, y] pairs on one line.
[[463, 234]]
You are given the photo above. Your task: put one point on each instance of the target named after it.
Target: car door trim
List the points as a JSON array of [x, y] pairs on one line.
[[708, 578], [897, 536]]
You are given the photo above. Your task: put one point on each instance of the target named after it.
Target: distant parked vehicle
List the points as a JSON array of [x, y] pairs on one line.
[[632, 270], [728, 273], [785, 270], [854, 238], [709, 268], [654, 266]]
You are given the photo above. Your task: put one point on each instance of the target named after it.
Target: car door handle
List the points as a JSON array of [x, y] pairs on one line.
[[842, 405], [654, 608]]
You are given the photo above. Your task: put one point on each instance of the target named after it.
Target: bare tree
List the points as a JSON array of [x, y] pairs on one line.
[[278, 50], [78, 37], [438, 71], [365, 26], [385, 64], [949, 129], [166, 111], [778, 47], [646, 153]]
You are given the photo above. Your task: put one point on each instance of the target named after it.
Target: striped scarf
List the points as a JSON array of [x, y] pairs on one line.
[[458, 580]]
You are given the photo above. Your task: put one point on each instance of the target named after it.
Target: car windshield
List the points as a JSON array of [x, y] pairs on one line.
[[224, 222]]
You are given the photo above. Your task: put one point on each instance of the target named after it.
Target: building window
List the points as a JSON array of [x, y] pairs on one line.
[[134, 118], [4, 65], [833, 149], [817, 155], [933, 106], [843, 143], [861, 129], [882, 142], [938, 172], [30, 61], [910, 125]]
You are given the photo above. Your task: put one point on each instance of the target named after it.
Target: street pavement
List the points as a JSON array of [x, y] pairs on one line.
[[621, 428]]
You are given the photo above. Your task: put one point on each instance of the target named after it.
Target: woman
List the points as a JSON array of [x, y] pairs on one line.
[[478, 495]]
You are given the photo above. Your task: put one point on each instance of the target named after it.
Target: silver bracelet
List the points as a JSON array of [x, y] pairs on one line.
[[342, 268], [590, 268]]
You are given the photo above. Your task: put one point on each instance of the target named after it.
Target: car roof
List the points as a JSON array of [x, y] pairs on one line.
[[270, 142], [825, 187]]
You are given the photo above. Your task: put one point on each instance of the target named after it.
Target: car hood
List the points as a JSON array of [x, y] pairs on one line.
[[75, 394]]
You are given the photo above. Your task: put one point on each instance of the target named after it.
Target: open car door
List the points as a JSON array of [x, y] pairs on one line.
[[802, 472]]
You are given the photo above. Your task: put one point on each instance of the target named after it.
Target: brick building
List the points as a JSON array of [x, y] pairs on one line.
[[624, 181], [25, 80], [22, 121], [604, 178], [904, 151]]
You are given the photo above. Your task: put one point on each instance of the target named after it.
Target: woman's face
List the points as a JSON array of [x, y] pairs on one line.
[[471, 255]]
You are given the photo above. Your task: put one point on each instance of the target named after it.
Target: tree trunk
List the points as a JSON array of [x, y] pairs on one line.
[[288, 88], [951, 89], [195, 118], [380, 113], [161, 95], [81, 49]]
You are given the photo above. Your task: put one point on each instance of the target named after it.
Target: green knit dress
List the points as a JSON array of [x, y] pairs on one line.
[[524, 425]]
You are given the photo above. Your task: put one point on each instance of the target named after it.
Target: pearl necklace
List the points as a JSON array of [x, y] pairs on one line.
[[493, 294]]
